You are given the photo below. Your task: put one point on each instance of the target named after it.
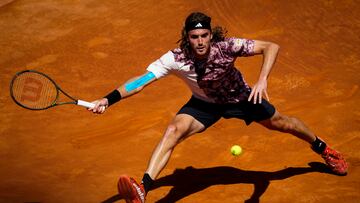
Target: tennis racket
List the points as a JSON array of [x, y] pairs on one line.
[[36, 91]]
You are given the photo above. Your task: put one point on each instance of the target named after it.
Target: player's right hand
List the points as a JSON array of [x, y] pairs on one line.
[[100, 106]]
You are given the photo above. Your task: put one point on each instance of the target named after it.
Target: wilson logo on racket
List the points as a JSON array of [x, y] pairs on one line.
[[32, 90]]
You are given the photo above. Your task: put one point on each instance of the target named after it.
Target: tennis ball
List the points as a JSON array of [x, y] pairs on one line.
[[236, 150]]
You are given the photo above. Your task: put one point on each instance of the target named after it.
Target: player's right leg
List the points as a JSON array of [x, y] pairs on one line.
[[195, 116], [180, 128]]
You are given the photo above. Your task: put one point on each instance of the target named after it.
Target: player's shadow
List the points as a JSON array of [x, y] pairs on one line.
[[192, 180]]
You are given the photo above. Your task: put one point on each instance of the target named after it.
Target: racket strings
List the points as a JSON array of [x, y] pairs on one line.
[[34, 91]]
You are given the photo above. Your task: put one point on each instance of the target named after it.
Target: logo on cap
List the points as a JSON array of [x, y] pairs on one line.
[[198, 25]]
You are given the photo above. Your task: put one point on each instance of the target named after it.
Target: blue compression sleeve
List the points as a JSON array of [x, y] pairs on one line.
[[143, 80]]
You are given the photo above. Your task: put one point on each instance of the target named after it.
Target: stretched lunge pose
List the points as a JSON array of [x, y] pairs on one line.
[[205, 61]]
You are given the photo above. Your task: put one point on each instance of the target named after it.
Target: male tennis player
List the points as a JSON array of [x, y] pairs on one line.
[[205, 61]]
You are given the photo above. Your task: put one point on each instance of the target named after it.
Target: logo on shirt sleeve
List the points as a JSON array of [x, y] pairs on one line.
[[238, 42]]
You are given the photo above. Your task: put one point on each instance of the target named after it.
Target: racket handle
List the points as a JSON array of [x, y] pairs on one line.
[[85, 104]]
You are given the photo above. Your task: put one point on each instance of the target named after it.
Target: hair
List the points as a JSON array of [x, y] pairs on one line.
[[219, 33]]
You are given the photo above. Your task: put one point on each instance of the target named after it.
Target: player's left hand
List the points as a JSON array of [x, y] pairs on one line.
[[258, 91]]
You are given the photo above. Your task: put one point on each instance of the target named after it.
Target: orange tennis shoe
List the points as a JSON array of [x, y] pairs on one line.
[[335, 161], [130, 190]]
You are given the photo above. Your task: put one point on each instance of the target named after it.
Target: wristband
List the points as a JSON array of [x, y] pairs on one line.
[[113, 97]]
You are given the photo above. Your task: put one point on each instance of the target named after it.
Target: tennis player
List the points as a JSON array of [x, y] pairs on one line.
[[205, 62]]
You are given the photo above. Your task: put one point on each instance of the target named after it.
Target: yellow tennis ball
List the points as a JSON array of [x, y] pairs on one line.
[[236, 150]]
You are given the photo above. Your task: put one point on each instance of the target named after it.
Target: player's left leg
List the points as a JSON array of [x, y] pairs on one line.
[[296, 127], [290, 125]]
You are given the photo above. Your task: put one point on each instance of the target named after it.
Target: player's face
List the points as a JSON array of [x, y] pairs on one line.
[[200, 41]]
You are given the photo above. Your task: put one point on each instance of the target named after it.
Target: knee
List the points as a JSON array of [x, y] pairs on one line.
[[170, 131], [172, 134]]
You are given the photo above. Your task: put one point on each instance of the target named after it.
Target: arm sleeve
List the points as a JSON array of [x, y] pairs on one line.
[[241, 47], [163, 65]]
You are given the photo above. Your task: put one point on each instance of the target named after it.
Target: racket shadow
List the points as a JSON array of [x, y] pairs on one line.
[[191, 180]]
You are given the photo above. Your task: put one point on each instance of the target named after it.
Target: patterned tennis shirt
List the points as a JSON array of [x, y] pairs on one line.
[[215, 79]]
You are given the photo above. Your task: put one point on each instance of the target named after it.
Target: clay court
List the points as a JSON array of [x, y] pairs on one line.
[[90, 47]]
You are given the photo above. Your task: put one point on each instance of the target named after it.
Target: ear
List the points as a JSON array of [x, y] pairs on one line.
[[211, 36]]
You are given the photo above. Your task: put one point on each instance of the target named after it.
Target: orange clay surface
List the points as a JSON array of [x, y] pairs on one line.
[[90, 47]]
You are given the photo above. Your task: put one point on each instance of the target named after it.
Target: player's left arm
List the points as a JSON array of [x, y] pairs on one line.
[[269, 50]]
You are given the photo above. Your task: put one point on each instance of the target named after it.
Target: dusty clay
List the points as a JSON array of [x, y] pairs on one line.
[[67, 154]]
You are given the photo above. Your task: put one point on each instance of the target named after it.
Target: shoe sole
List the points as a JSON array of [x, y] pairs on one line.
[[125, 188]]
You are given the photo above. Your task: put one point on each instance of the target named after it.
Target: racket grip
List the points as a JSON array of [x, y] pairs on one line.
[[85, 104]]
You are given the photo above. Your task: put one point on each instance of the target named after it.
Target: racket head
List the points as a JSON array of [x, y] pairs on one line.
[[33, 90]]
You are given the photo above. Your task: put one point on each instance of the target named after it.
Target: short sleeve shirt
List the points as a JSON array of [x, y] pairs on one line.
[[214, 80]]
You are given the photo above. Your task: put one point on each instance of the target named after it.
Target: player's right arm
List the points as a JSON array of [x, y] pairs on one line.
[[131, 87], [136, 84]]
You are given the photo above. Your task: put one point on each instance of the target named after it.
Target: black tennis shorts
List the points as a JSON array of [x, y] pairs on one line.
[[209, 113]]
